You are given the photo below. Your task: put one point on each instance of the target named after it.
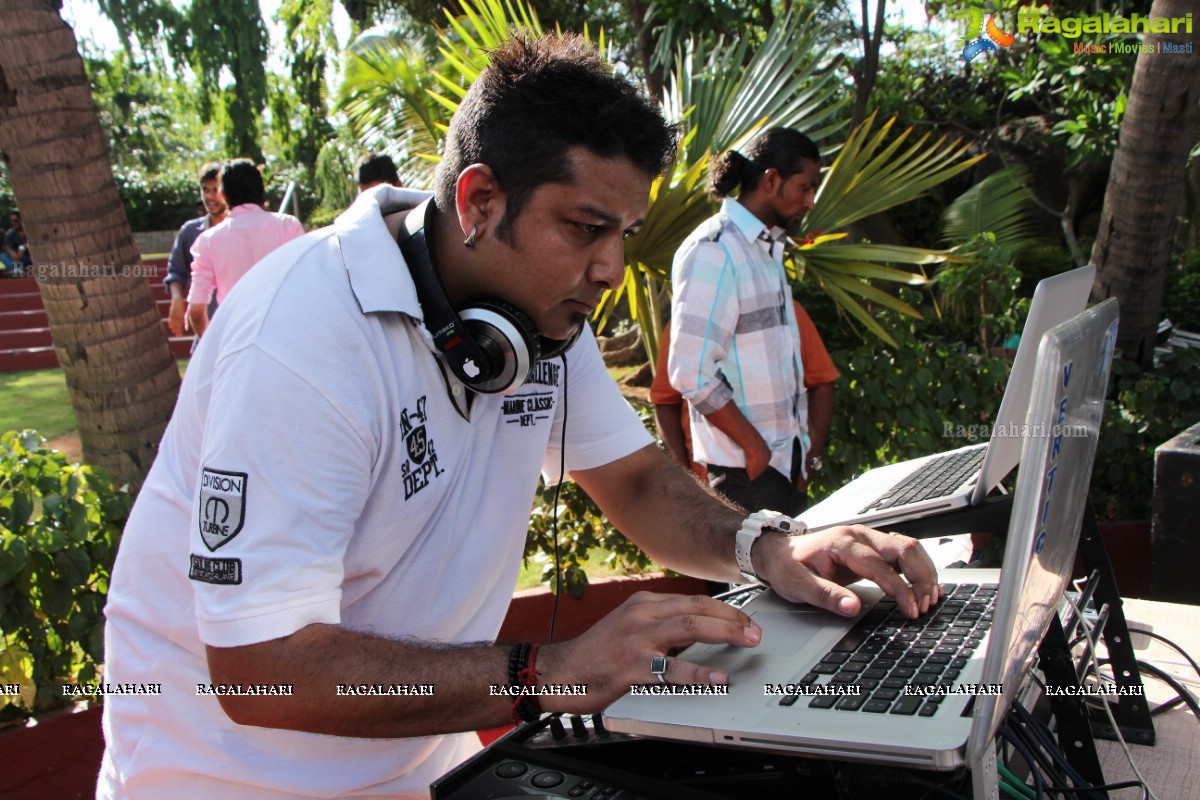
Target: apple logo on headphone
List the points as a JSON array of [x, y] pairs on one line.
[[470, 369]]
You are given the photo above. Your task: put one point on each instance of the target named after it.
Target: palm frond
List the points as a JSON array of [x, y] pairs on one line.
[[721, 94], [870, 175], [384, 94], [998, 204]]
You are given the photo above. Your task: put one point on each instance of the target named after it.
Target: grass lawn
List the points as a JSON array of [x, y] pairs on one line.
[[39, 400]]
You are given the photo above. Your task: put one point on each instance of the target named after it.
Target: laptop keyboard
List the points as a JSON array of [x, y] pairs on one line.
[[885, 652], [936, 478]]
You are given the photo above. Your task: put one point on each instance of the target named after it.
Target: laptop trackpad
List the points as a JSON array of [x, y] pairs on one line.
[[784, 633], [788, 632]]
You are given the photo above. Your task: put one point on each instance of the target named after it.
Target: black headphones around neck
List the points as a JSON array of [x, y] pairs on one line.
[[490, 346]]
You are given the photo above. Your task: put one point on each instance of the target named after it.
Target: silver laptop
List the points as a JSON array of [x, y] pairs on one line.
[[958, 478], [984, 635]]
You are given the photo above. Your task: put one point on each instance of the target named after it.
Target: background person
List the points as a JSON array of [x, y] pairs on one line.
[[376, 169], [224, 253], [16, 246], [820, 377], [735, 342], [179, 266]]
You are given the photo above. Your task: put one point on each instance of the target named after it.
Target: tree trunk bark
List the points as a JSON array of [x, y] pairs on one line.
[[108, 334], [1146, 183]]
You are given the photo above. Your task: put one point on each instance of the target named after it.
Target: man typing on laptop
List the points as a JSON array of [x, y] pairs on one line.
[[371, 535]]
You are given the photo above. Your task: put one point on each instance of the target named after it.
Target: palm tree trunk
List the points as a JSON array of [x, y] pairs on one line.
[[1146, 184], [107, 331]]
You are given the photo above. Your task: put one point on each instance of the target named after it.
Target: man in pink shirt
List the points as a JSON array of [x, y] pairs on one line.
[[224, 253]]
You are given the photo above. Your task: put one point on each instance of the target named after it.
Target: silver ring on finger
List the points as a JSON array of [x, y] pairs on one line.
[[658, 666]]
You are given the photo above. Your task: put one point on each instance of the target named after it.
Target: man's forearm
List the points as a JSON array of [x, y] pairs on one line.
[[678, 522], [669, 419], [198, 316], [319, 659], [820, 415]]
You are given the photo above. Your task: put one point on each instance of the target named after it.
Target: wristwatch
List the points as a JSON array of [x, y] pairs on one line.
[[754, 526]]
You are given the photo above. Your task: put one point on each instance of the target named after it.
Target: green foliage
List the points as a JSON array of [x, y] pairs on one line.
[[1041, 260], [151, 120], [581, 528], [1084, 99], [147, 22], [59, 528], [873, 172], [895, 403], [157, 201], [7, 199], [1181, 295], [308, 28], [229, 35], [980, 291], [988, 225], [722, 95], [1145, 408], [224, 42], [387, 96]]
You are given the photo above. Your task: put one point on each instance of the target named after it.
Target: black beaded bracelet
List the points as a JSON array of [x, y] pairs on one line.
[[518, 657], [522, 672]]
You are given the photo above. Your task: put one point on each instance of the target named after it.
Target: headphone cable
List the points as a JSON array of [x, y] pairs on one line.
[[562, 473]]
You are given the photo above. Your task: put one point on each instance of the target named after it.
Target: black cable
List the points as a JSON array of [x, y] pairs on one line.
[[1005, 732], [1161, 708], [562, 474], [1102, 788], [1169, 643], [1046, 758], [1051, 747], [1185, 696]]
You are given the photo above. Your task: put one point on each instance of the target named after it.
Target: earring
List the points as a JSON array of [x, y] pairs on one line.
[[469, 242]]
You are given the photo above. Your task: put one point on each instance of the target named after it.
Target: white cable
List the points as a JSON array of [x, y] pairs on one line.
[[1095, 668]]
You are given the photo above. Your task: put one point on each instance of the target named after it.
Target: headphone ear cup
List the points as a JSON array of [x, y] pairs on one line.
[[509, 340]]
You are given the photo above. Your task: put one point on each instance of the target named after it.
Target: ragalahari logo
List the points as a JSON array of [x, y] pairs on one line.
[[982, 38]]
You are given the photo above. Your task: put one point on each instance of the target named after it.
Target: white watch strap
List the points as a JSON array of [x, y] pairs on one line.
[[753, 527]]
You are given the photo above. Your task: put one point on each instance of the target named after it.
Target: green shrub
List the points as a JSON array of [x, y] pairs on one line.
[[582, 528], [1145, 408], [1041, 260], [322, 217], [929, 395], [1181, 293], [160, 202], [59, 527]]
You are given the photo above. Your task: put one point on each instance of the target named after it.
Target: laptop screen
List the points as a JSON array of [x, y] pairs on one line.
[[1063, 426]]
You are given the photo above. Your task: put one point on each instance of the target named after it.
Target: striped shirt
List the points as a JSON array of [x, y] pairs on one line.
[[734, 337]]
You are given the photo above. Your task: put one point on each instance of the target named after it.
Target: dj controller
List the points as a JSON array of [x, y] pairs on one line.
[[577, 757]]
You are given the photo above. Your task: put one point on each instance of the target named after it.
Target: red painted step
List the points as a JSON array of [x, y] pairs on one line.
[[24, 301], [25, 340], [21, 320], [29, 337], [24, 359]]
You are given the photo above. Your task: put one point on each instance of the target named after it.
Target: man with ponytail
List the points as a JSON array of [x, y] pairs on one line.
[[735, 352]]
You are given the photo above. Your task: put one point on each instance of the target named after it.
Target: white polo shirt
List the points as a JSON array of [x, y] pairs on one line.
[[316, 470]]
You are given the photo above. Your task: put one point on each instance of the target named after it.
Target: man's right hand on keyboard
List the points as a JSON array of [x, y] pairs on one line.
[[812, 569]]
